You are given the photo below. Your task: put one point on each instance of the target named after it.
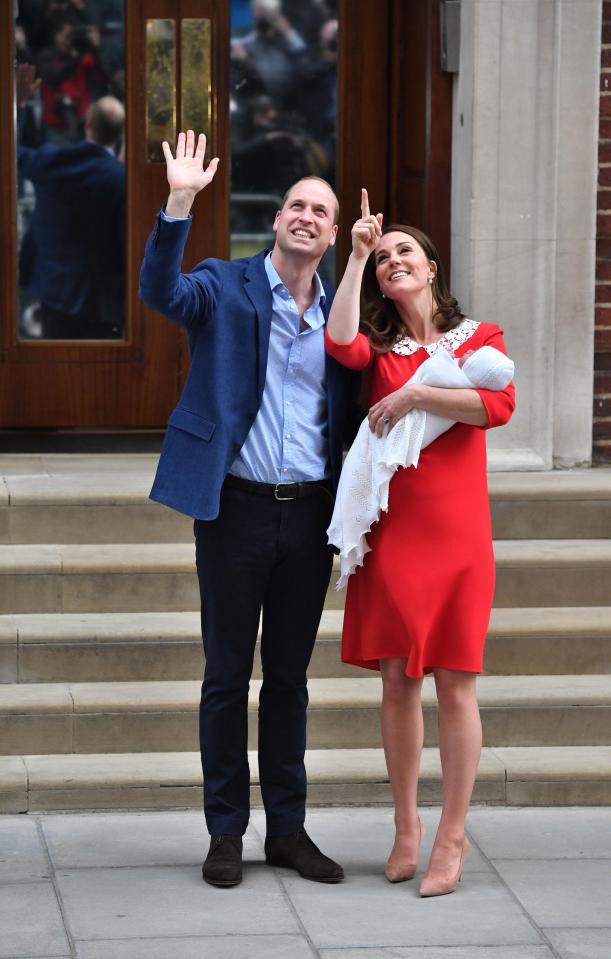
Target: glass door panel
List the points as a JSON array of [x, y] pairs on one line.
[[70, 153], [283, 111]]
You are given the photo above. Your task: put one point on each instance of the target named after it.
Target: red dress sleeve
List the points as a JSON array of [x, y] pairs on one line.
[[499, 404], [356, 355]]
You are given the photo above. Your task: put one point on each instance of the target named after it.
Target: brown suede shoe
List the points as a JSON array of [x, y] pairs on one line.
[[298, 852], [223, 865]]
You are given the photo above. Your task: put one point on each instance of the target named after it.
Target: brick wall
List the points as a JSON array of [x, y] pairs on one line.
[[602, 344]]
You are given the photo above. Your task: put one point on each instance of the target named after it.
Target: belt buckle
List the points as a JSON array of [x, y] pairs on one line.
[[283, 499]]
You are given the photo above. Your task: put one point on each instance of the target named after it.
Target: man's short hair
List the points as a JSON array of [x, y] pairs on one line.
[[106, 119], [320, 180]]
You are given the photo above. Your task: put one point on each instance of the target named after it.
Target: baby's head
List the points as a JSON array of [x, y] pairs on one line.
[[488, 368]]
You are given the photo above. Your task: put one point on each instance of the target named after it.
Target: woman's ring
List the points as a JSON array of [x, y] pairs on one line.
[[386, 421]]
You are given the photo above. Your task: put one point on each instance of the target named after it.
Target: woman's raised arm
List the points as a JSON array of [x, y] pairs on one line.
[[343, 323]]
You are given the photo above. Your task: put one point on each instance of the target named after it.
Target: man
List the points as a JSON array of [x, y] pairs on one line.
[[73, 256], [252, 452]]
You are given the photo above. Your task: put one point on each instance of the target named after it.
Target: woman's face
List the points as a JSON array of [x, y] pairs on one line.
[[402, 266]]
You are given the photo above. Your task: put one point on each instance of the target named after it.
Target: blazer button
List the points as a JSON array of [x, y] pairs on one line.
[[236, 447]]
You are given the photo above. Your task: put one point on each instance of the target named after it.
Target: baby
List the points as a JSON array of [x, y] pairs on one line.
[[371, 462]]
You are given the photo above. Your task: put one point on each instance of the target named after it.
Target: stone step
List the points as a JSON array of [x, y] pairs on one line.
[[104, 499], [151, 577], [541, 572], [105, 647], [343, 714], [555, 504], [528, 776]]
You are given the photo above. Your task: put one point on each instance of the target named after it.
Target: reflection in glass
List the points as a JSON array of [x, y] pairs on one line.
[[283, 110], [71, 183], [196, 76], [160, 87]]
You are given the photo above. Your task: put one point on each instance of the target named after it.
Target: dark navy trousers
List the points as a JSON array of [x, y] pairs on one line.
[[259, 556]]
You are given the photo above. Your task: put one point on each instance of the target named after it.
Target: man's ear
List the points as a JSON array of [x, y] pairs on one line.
[[276, 218], [333, 236]]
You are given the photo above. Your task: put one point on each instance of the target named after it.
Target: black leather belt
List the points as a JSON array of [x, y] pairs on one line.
[[280, 491]]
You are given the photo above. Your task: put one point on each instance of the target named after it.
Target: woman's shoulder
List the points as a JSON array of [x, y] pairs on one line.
[[480, 332], [486, 329]]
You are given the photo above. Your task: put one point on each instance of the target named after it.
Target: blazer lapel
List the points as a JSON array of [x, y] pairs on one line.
[[259, 292]]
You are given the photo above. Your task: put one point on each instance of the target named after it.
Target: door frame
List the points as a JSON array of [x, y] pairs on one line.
[[397, 144]]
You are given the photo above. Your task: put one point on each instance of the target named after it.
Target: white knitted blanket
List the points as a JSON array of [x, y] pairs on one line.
[[372, 461]]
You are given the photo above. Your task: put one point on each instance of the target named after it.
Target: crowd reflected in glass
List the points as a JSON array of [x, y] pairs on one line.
[[70, 91], [283, 110]]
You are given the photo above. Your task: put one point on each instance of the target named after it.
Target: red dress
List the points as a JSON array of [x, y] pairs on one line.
[[425, 589]]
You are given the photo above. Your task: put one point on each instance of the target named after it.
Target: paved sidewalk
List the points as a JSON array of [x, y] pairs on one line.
[[128, 886]]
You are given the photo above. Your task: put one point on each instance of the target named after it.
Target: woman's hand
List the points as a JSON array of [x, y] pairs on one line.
[[367, 231], [392, 408]]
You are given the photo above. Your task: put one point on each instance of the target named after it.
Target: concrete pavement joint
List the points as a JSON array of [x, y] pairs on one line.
[[289, 902], [539, 931], [60, 903], [187, 938]]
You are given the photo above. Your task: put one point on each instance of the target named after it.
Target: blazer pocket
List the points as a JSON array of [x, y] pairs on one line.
[[192, 423]]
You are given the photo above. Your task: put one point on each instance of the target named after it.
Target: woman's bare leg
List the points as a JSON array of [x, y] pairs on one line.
[[402, 735], [460, 744]]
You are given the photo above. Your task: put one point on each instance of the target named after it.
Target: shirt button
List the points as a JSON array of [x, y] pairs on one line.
[[288, 436]]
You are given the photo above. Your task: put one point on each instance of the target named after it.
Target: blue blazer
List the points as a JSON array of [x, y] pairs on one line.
[[75, 249], [226, 307]]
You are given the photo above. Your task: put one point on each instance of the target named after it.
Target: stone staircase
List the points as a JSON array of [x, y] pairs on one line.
[[100, 653]]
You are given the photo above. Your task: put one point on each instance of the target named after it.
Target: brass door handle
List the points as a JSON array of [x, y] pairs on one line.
[[194, 92]]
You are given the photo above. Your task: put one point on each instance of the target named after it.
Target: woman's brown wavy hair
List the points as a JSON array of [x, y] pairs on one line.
[[380, 320]]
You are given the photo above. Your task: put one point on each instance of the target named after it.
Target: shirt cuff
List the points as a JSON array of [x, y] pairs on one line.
[[174, 219]]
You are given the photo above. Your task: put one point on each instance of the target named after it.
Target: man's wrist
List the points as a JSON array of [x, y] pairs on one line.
[[179, 203]]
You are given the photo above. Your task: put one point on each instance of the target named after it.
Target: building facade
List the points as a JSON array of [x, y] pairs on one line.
[[477, 121]]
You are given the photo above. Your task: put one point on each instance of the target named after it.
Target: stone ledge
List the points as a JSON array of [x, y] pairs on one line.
[[326, 693], [126, 558], [117, 478], [82, 629], [556, 776]]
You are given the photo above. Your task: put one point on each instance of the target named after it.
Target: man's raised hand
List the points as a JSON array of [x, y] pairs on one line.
[[367, 230], [186, 172], [26, 84]]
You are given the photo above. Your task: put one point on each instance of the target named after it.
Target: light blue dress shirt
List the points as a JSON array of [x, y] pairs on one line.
[[288, 441]]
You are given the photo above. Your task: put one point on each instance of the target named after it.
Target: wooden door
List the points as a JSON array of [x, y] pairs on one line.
[[393, 136], [133, 380]]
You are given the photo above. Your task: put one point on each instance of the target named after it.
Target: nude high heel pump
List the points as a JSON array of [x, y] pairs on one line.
[[440, 885], [397, 870]]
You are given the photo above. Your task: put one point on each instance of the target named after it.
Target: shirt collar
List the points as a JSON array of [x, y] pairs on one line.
[[276, 283]]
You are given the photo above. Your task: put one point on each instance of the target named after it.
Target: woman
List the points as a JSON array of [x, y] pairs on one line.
[[421, 602]]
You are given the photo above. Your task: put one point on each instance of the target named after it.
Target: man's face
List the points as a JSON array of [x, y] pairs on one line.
[[63, 39], [304, 226]]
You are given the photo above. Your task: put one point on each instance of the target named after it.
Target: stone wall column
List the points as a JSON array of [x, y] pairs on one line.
[[524, 211]]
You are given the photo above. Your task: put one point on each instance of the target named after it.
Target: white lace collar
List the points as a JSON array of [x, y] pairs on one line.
[[450, 340]]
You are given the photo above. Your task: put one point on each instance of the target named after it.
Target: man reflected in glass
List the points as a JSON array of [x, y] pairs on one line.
[[72, 258], [71, 185]]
